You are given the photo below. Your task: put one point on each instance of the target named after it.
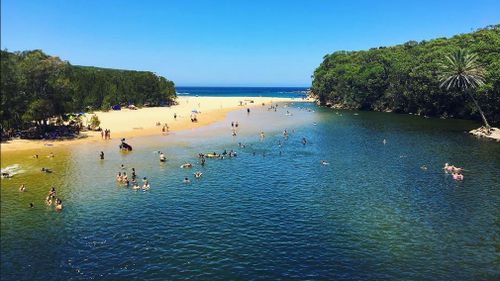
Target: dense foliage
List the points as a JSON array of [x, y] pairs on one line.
[[406, 78], [36, 86]]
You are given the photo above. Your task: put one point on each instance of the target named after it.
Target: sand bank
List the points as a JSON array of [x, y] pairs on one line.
[[128, 123], [480, 132]]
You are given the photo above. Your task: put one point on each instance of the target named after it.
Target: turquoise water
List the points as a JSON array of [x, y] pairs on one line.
[[372, 213]]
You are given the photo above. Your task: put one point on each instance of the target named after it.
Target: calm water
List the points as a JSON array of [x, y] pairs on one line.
[[373, 213], [282, 92]]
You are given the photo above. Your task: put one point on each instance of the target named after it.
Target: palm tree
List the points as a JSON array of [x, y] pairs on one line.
[[460, 70]]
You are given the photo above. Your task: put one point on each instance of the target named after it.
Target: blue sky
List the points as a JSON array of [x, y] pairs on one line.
[[228, 43]]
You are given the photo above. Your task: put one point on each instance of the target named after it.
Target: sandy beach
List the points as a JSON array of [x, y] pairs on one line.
[[128, 123]]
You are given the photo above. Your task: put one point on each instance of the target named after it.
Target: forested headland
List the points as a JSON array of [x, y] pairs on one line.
[[405, 78], [36, 87]]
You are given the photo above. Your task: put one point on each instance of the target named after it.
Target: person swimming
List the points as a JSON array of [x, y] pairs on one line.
[[324, 162], [304, 141], [32, 205], [52, 191], [186, 165], [458, 176], [163, 158], [119, 177], [186, 180], [22, 188], [134, 175], [124, 177], [59, 205], [198, 174], [46, 170], [136, 186]]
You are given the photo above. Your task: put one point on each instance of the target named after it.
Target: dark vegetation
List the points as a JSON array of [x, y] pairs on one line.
[[406, 78], [38, 92]]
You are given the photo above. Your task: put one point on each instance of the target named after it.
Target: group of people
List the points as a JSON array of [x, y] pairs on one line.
[[122, 178], [106, 134], [456, 172], [51, 199]]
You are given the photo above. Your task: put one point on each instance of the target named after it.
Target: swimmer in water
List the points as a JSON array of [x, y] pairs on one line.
[[186, 180], [101, 155], [22, 188], [304, 141], [136, 187], [163, 158], [122, 167], [59, 205], [46, 170], [119, 177], [262, 136], [198, 174], [458, 176], [32, 205], [52, 191], [51, 155], [384, 141], [324, 162]]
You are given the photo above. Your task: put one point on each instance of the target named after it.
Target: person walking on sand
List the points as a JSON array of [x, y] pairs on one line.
[[175, 116]]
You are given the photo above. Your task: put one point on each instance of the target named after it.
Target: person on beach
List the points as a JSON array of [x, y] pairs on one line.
[[22, 188], [102, 134], [175, 116], [101, 155], [248, 110]]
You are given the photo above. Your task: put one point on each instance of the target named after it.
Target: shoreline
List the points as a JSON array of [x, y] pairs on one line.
[[127, 123]]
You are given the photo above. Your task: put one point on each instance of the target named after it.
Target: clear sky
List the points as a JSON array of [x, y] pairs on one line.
[[228, 43]]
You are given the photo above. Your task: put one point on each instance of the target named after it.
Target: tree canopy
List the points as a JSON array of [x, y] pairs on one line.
[[36, 86], [406, 78]]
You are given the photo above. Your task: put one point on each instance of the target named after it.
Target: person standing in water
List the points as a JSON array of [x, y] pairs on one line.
[[101, 155]]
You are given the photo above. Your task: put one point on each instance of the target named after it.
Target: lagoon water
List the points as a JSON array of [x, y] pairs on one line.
[[372, 213]]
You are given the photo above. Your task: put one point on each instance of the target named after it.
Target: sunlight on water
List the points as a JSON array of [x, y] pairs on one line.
[[372, 213]]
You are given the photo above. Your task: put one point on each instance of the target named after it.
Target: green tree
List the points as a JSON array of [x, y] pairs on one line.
[[461, 71]]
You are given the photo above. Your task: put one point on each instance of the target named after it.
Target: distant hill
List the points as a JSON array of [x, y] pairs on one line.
[[403, 78]]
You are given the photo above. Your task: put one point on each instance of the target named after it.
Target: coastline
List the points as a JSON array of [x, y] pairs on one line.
[[127, 123]]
